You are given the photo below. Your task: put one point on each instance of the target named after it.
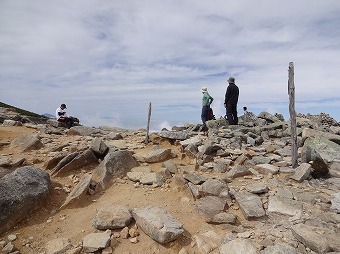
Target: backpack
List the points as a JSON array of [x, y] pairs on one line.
[[210, 114]]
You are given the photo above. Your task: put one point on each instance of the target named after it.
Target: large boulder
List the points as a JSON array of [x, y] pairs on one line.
[[321, 152], [22, 192], [26, 143], [115, 164]]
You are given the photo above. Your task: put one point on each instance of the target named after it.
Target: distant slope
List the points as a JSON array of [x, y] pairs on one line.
[[21, 111], [48, 115]]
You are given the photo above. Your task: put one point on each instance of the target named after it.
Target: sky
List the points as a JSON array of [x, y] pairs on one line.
[[108, 60]]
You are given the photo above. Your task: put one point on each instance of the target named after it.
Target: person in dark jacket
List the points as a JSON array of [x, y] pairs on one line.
[[230, 102]]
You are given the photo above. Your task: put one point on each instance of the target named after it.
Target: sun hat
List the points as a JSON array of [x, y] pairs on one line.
[[204, 89], [231, 80]]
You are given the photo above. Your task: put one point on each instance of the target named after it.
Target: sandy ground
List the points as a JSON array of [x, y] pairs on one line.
[[49, 222]]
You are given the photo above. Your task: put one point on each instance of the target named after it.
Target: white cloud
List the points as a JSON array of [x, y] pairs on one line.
[[108, 60]]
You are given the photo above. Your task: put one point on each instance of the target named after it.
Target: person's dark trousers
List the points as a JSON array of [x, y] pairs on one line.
[[68, 122], [204, 113], [232, 114]]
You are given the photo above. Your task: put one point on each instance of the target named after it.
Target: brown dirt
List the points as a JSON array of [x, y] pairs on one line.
[[75, 223]]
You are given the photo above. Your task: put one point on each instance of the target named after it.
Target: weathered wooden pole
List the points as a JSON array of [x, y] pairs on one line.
[[148, 126], [291, 93]]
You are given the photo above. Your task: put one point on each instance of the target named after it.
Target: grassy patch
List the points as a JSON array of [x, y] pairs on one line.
[[21, 111]]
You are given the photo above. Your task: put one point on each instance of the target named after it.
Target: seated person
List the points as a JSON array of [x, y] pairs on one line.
[[61, 116]]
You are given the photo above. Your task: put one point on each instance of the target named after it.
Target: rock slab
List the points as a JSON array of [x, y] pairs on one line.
[[158, 223]]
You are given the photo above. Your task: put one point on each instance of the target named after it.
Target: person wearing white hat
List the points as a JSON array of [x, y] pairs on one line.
[[206, 101]]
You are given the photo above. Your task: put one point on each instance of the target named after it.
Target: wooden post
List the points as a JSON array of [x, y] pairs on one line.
[[148, 126], [291, 93]]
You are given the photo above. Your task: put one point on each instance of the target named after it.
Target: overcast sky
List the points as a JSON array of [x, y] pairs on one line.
[[108, 59]]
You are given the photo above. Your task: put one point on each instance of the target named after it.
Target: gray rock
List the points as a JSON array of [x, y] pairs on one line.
[[195, 140], [284, 193], [335, 202], [306, 197], [26, 143], [157, 154], [78, 191], [238, 246], [112, 217], [257, 188], [334, 169], [321, 151], [183, 135], [58, 246], [171, 166], [81, 160], [306, 133], [194, 178], [250, 205], [4, 171], [142, 169], [52, 162], [9, 122], [302, 172], [158, 223], [284, 152], [96, 241], [191, 149], [269, 117], [22, 192], [238, 171], [8, 248], [279, 249], [206, 242], [146, 178], [99, 148], [63, 162], [311, 238], [115, 136], [83, 131], [213, 187], [277, 204], [211, 205], [196, 190], [223, 218], [261, 159], [115, 164], [266, 169], [55, 123], [216, 124], [4, 161], [241, 159]]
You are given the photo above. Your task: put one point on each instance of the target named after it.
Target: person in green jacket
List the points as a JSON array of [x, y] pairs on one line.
[[206, 101]]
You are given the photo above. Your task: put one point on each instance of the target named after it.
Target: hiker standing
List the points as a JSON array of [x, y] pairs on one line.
[[230, 102], [206, 101], [61, 116]]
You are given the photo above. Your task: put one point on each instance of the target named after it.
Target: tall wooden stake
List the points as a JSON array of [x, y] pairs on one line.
[[291, 93], [148, 127]]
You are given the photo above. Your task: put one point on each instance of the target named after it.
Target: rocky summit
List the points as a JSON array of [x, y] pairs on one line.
[[231, 189]]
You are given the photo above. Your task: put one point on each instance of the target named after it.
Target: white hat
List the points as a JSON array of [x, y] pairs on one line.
[[204, 90]]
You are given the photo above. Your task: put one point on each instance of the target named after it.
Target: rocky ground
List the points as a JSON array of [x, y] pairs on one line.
[[230, 190]]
